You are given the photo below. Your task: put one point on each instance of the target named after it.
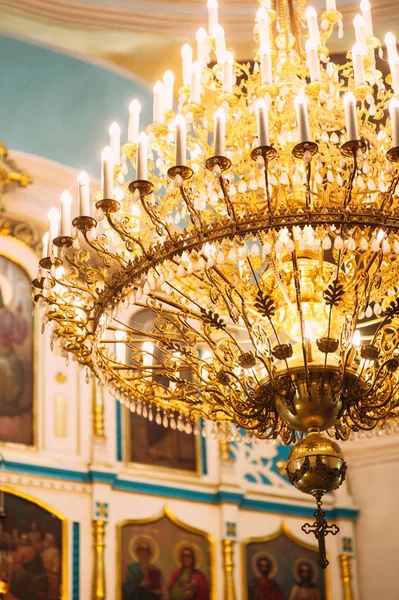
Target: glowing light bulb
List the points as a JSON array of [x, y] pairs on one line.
[[356, 339]]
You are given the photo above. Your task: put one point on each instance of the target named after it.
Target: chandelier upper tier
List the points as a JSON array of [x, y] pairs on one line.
[[260, 231]]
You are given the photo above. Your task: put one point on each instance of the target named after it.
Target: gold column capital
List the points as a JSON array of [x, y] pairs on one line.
[[99, 564], [228, 562], [346, 576], [224, 451]]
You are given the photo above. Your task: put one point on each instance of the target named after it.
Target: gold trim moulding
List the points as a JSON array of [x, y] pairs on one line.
[[301, 149], [142, 185], [268, 153], [393, 154], [184, 172], [63, 240], [84, 224], [222, 162], [48, 262]]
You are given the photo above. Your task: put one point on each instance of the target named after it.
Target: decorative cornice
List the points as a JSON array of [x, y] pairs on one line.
[[73, 481], [171, 18]]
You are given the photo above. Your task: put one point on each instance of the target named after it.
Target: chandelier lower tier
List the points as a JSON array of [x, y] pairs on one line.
[[249, 272]]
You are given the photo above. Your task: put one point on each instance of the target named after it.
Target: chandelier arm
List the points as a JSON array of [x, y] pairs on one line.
[[195, 217], [102, 253], [349, 189], [388, 196], [123, 233], [301, 320], [229, 205], [159, 225], [82, 268]]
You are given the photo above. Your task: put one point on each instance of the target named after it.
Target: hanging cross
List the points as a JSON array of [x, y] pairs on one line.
[[320, 529]]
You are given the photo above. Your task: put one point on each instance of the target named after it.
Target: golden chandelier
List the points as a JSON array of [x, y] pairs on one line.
[[248, 273]]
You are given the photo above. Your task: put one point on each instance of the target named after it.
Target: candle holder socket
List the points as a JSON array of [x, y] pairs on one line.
[[361, 91], [184, 172], [301, 149], [50, 261], [331, 16], [268, 153], [222, 162], [108, 205], [267, 88], [353, 147], [393, 154], [196, 110], [84, 224], [314, 88], [230, 99], [142, 185], [63, 240]]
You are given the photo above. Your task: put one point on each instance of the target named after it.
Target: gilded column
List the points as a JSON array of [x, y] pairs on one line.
[[346, 576], [228, 562], [98, 412], [99, 565]]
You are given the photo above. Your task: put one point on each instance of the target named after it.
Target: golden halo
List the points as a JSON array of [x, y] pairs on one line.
[[309, 562], [6, 289], [199, 558], [257, 556], [143, 537]]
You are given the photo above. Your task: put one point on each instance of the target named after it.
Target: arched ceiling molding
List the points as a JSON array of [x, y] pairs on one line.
[[175, 18], [60, 107]]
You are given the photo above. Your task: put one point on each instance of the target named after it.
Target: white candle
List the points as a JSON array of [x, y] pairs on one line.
[[365, 7], [108, 173], [66, 203], [351, 117], [134, 121], [358, 65], [180, 142], [266, 65], [394, 66], [195, 88], [313, 26], [266, 4], [301, 108], [313, 60], [220, 43], [53, 221], [394, 114], [228, 62], [84, 195], [202, 50], [45, 250], [213, 18], [142, 157], [115, 142], [263, 21], [390, 42], [187, 59], [360, 33], [262, 123], [169, 82], [220, 132], [158, 110], [331, 5]]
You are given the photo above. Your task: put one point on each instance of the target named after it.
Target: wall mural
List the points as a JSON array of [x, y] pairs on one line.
[[281, 567], [164, 559], [31, 551], [16, 355]]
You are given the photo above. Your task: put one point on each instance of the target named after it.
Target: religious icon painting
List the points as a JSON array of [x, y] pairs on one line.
[[162, 558], [16, 355], [282, 567], [32, 549]]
